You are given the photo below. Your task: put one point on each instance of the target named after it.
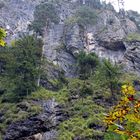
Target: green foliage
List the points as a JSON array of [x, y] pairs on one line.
[[44, 14], [85, 16], [114, 136], [28, 59], [132, 37], [87, 64], [75, 127], [108, 75], [60, 96], [80, 88], [84, 122], [20, 68], [94, 4], [128, 77], [7, 60]]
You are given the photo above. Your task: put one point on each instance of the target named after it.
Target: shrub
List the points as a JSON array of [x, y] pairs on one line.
[[85, 121], [60, 96]]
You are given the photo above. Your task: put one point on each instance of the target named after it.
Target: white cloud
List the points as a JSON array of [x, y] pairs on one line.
[[133, 5], [128, 4]]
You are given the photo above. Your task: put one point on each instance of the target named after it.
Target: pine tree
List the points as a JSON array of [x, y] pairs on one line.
[[28, 60], [20, 68]]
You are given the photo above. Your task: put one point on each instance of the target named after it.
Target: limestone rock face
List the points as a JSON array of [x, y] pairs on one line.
[[105, 38], [16, 15], [112, 27], [132, 56], [72, 38]]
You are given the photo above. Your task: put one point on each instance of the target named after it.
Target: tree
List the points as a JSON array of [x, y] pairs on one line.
[[85, 16], [107, 75], [27, 53], [44, 14], [87, 64], [124, 118], [20, 68]]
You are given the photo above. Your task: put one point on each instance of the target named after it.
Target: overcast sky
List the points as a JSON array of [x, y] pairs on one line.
[[128, 4]]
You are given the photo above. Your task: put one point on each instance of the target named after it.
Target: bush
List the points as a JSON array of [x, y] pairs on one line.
[[60, 96]]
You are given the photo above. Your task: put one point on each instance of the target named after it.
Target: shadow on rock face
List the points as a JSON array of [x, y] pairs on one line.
[[115, 46]]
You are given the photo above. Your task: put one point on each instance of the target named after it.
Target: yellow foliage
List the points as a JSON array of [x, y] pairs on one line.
[[128, 89], [133, 138], [2, 36], [2, 43], [127, 110]]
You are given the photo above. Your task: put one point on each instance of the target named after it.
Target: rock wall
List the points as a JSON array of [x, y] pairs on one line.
[[106, 39]]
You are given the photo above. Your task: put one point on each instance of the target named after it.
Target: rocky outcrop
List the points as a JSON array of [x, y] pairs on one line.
[[132, 56], [55, 50], [52, 115], [73, 39], [105, 38], [134, 16]]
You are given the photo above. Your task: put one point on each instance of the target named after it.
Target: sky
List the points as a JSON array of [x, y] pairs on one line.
[[128, 4]]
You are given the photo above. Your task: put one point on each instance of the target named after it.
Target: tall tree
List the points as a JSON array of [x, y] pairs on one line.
[[20, 67], [108, 75], [27, 54]]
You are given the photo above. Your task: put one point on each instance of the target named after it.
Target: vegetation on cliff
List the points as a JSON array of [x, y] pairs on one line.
[[44, 14]]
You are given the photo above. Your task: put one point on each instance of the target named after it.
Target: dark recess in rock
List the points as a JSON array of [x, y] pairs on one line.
[[115, 46]]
